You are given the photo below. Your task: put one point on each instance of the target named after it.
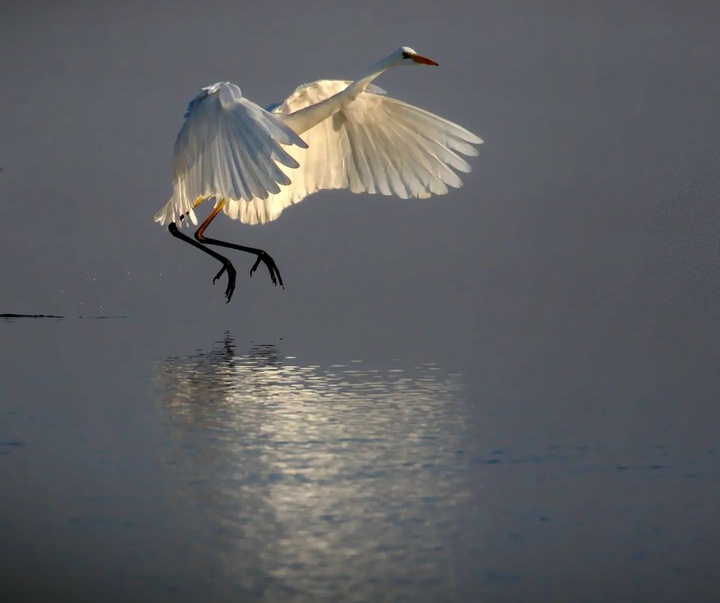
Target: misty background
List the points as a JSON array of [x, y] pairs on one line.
[[572, 281]]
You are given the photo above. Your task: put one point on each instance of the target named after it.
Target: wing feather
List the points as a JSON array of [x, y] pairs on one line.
[[228, 148], [375, 144], [231, 148], [417, 161]]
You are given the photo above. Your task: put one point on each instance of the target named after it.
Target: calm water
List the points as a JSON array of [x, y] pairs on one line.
[[238, 470]]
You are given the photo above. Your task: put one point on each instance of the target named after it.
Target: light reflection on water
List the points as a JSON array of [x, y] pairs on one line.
[[319, 482]]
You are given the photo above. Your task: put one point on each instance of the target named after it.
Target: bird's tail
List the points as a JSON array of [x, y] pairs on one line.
[[169, 213]]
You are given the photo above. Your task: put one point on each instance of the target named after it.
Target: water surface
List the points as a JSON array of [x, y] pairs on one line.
[[236, 470]]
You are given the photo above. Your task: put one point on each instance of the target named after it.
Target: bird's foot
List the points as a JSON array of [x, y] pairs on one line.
[[271, 266], [232, 274]]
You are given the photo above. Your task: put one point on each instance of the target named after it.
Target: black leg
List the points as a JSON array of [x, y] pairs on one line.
[[227, 265], [262, 256]]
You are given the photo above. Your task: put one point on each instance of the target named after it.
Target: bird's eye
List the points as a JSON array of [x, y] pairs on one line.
[[405, 55]]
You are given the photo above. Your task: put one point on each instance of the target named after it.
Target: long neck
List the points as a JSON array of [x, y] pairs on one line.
[[304, 119], [370, 74]]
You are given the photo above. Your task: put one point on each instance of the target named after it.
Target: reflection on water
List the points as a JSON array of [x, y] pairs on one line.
[[334, 482]]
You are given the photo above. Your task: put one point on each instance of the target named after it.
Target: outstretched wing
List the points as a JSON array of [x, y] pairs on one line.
[[230, 148], [376, 144]]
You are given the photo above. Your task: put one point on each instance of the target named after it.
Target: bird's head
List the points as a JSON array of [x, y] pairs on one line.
[[407, 56]]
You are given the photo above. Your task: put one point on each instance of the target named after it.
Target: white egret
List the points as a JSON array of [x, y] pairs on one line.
[[253, 162]]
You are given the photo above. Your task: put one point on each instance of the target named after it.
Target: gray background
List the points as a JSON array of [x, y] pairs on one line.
[[572, 281]]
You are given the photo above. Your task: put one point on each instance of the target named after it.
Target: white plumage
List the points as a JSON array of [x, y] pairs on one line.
[[353, 136], [228, 147], [375, 144]]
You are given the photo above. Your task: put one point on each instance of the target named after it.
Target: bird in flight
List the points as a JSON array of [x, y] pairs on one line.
[[330, 134]]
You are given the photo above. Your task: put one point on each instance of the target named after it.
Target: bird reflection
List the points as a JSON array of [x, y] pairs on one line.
[[345, 469]]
